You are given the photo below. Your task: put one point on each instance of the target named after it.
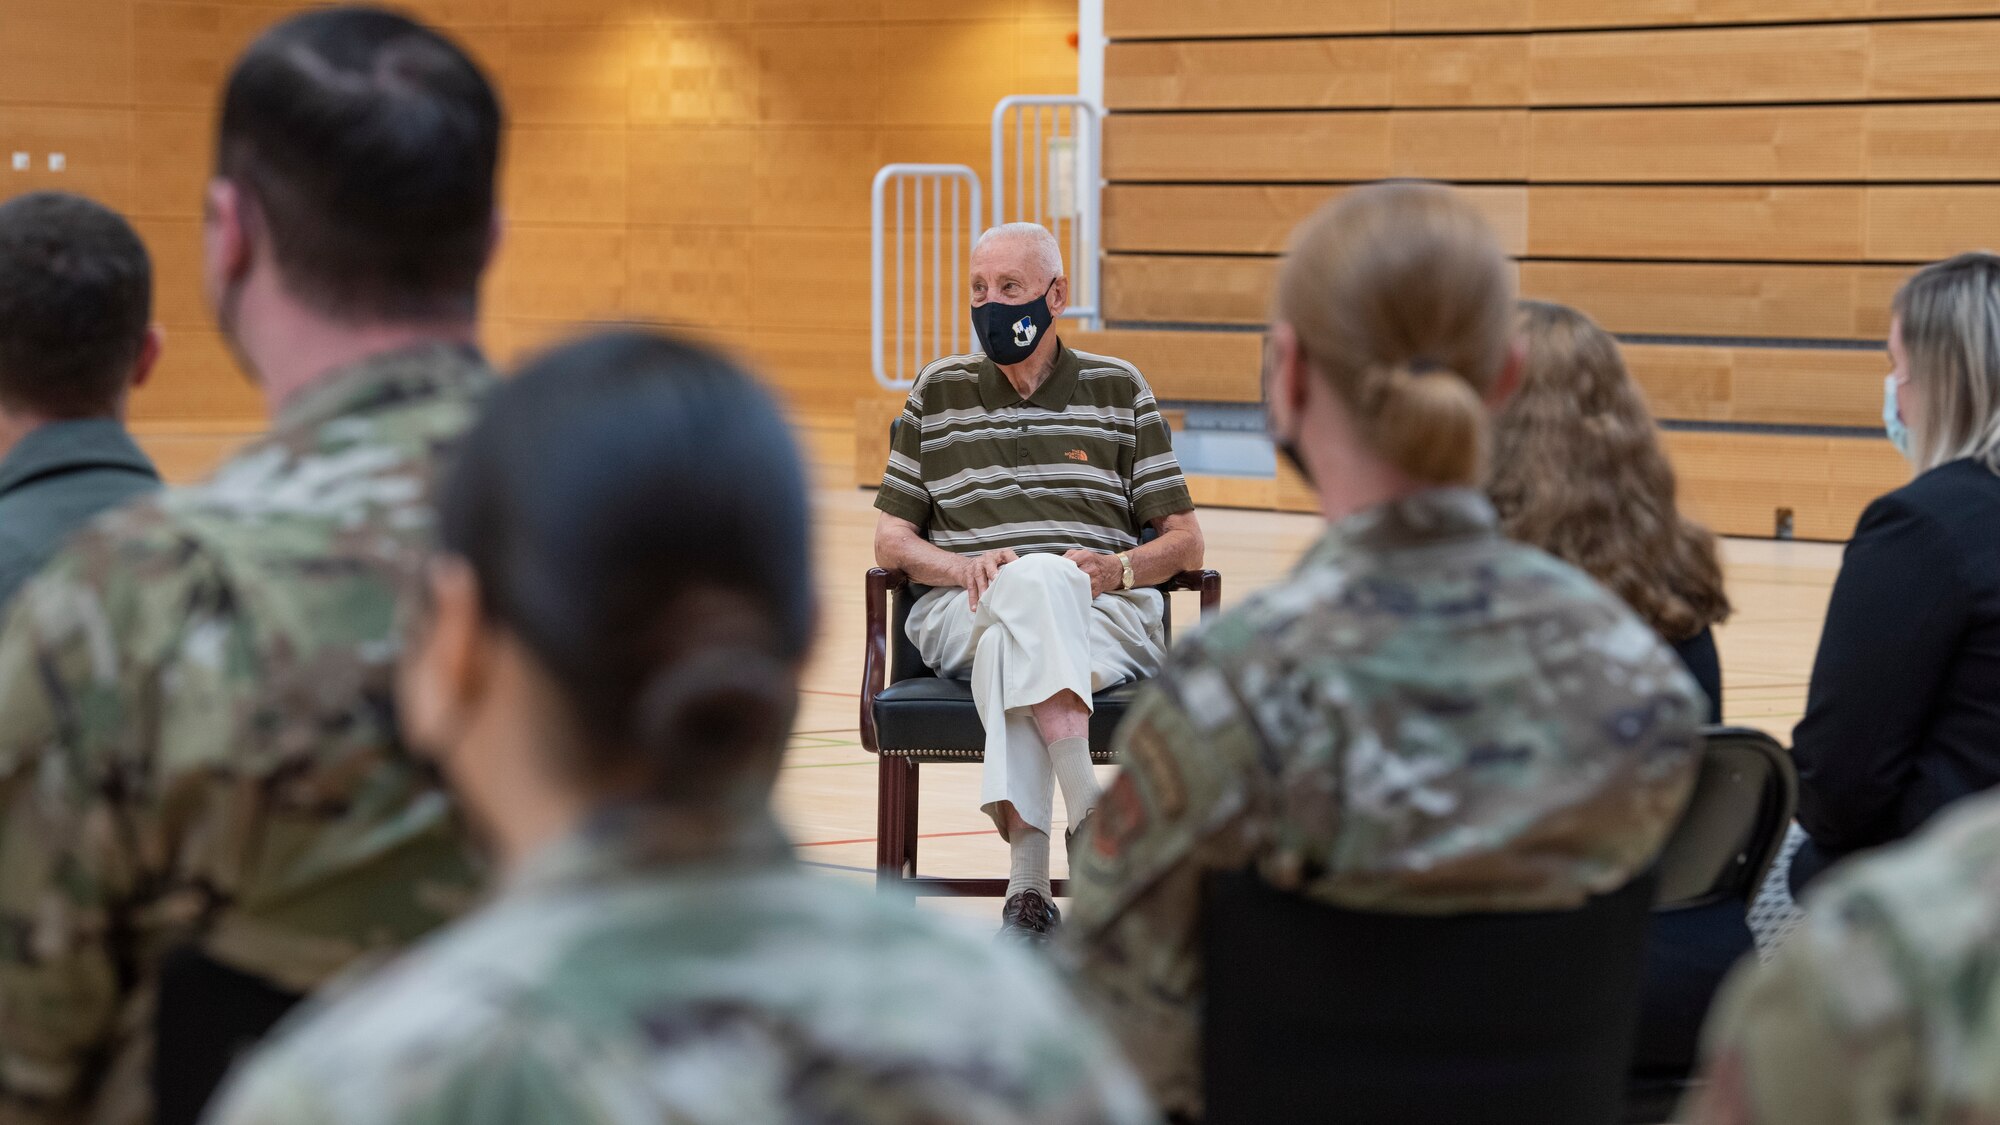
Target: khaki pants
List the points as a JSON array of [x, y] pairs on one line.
[[1038, 632]]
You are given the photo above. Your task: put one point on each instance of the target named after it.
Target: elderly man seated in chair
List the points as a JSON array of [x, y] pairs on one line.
[[1018, 484]]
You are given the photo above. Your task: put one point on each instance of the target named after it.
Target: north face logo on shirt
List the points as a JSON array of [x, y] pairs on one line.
[[1077, 455]]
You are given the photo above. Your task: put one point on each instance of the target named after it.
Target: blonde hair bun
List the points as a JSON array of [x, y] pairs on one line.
[[1402, 299]]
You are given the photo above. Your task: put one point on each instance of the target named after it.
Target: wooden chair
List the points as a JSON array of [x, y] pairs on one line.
[[911, 716]]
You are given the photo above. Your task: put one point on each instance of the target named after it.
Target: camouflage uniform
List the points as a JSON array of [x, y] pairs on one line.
[[1884, 1006], [1424, 718], [625, 978], [196, 738]]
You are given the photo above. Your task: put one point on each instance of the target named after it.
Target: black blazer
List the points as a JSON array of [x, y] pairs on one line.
[[1903, 716]]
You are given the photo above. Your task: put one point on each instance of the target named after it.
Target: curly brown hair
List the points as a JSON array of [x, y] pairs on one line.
[[1578, 471]]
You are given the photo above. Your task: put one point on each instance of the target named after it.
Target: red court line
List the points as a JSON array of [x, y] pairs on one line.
[[921, 836], [835, 694]]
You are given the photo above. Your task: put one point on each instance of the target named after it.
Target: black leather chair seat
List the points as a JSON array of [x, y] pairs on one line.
[[930, 718]]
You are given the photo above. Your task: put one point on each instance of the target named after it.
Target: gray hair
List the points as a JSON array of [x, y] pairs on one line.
[[1950, 313], [1047, 251]]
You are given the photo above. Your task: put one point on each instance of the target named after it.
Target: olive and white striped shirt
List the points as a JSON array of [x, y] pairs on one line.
[[1086, 461]]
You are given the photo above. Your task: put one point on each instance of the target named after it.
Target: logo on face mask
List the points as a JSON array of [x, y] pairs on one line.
[[1025, 332]]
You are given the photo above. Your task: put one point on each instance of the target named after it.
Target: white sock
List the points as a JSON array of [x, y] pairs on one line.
[[1030, 852], [1078, 778]]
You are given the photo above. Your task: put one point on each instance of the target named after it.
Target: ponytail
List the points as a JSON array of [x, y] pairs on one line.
[[1403, 302]]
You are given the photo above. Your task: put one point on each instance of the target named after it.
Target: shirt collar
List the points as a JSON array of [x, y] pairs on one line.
[[68, 446], [1435, 515], [621, 840], [384, 380], [1054, 393]]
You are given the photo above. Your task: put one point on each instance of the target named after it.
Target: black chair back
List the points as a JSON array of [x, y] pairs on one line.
[[1735, 822], [1315, 1013], [207, 1015]]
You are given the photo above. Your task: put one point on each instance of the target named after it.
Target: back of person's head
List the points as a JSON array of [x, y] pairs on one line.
[[1949, 313], [367, 145], [1402, 299], [635, 512], [1578, 471], [76, 302]]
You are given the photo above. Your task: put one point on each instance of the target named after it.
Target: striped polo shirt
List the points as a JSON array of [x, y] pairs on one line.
[[1086, 461]]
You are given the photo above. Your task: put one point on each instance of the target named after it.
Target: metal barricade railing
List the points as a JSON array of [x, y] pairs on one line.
[[1056, 182], [938, 322]]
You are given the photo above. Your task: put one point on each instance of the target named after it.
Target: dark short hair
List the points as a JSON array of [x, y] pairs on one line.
[[76, 295], [635, 509], [367, 143]]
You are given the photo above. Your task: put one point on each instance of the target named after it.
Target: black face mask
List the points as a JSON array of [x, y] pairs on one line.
[[1286, 447], [1009, 333]]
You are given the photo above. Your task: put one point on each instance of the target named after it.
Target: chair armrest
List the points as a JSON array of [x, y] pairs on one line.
[[1209, 582], [875, 651]]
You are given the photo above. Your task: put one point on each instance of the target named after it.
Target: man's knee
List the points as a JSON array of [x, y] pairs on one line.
[[1051, 573]]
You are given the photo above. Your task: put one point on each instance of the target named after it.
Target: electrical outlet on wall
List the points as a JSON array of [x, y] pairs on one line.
[[57, 162], [20, 162]]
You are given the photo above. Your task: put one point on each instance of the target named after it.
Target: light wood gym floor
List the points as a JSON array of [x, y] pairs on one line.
[[827, 794]]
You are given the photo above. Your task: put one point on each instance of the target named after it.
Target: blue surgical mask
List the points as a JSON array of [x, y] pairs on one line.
[[1892, 418]]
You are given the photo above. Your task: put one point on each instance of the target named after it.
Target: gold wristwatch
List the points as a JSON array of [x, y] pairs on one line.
[[1125, 560]]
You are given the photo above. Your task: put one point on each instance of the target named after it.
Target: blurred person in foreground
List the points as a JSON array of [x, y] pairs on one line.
[[1578, 472], [1019, 483], [198, 755], [76, 339], [1883, 1007], [608, 674], [1425, 717]]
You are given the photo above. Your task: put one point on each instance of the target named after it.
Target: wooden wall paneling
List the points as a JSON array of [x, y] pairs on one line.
[[175, 247], [1936, 60], [872, 416], [1779, 386], [1759, 145], [1468, 145], [182, 52], [1209, 490], [1696, 299], [1931, 142], [1927, 223], [1735, 482], [566, 75], [172, 157], [809, 75], [561, 272], [1180, 19], [76, 52], [817, 371], [691, 174], [688, 73], [1185, 366], [688, 275], [565, 174], [1464, 15], [1255, 147], [1476, 70], [1756, 64], [1813, 224], [1169, 288], [1138, 19], [196, 381], [96, 145], [1249, 73], [1808, 302], [1257, 219], [947, 73], [813, 176]]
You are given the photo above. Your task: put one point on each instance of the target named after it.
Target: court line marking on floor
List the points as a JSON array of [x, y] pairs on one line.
[[921, 836]]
